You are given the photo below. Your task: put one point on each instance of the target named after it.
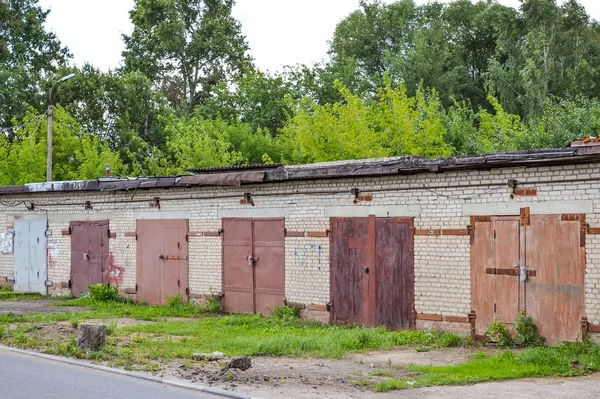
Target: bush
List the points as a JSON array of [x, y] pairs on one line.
[[285, 313], [176, 301], [498, 332], [104, 293], [212, 304], [526, 331]]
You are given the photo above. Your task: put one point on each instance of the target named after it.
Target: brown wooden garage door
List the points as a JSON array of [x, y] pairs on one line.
[[253, 285], [89, 255], [372, 271], [162, 260], [550, 247]]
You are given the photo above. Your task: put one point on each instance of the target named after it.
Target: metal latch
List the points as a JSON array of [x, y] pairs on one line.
[[252, 260], [86, 257], [523, 274]]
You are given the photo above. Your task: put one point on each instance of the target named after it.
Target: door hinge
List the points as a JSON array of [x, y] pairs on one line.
[[70, 284], [136, 287], [179, 283], [178, 245], [494, 234], [187, 291]]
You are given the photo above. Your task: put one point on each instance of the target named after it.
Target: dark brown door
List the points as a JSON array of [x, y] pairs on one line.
[[89, 255], [552, 295], [372, 271], [253, 265], [162, 260]]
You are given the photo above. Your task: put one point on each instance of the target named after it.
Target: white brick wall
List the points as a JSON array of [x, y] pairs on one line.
[[442, 264]]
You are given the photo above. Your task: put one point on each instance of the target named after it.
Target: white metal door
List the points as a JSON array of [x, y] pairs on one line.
[[30, 256]]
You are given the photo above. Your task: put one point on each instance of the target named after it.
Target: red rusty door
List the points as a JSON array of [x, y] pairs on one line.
[[89, 255], [550, 249], [372, 271], [555, 296], [253, 265], [162, 260]]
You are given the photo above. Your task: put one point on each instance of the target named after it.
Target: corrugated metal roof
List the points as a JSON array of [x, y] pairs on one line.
[[239, 175]]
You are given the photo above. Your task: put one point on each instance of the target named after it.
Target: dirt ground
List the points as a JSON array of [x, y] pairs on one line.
[[40, 306]]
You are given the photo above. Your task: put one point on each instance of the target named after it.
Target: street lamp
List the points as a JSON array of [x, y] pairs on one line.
[[50, 115]]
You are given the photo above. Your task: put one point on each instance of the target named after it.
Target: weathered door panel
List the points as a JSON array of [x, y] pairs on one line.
[[30, 255], [89, 255], [238, 275], [482, 286], [554, 297], [162, 260], [395, 273], [269, 269], [349, 257], [506, 257]]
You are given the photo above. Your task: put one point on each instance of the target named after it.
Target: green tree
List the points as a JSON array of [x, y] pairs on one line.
[[394, 124], [28, 55], [76, 154], [186, 46]]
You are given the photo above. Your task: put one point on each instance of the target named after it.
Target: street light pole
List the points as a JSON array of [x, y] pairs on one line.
[[50, 117]]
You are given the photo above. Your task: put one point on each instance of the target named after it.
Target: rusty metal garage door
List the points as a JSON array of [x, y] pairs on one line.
[[372, 271], [30, 256], [253, 265], [89, 255], [550, 247], [162, 260]]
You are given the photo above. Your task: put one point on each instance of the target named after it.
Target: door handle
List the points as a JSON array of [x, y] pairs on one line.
[[161, 256], [366, 269], [86, 257]]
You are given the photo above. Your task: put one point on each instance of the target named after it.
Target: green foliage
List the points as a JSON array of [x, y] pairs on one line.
[[395, 124], [526, 334], [212, 304], [285, 313], [76, 155], [104, 293], [569, 359], [189, 46], [498, 332]]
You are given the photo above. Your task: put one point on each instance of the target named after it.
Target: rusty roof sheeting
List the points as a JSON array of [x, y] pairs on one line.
[[255, 174]]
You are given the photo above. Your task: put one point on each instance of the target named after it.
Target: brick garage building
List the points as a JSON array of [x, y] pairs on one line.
[[403, 242]]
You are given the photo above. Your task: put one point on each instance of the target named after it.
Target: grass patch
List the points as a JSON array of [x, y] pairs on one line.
[[378, 373], [253, 335], [566, 360]]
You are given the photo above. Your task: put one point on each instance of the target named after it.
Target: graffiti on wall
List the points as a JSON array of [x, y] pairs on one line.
[[6, 242], [308, 255], [116, 274]]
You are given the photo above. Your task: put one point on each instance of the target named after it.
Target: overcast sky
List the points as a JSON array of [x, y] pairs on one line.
[[280, 32]]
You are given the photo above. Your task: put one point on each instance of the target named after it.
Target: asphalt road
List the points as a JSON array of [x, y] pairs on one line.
[[24, 377]]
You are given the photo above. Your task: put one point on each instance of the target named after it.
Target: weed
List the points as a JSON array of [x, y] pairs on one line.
[[228, 377], [74, 323], [104, 293], [110, 328], [1, 332], [498, 332], [285, 313], [377, 373], [212, 304], [176, 301], [361, 383], [526, 331]]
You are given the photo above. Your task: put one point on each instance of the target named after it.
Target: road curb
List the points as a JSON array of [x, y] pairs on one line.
[[158, 380]]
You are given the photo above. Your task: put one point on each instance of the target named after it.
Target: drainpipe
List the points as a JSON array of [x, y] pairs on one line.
[[107, 170]]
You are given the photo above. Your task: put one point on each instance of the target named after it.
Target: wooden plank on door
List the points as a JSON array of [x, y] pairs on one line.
[[482, 287]]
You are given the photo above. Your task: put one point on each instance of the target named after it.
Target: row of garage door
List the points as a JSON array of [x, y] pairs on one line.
[[372, 267]]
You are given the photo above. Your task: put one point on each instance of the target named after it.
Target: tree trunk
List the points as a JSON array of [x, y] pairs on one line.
[[91, 337]]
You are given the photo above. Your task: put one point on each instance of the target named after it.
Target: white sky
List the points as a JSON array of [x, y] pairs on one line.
[[280, 32]]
